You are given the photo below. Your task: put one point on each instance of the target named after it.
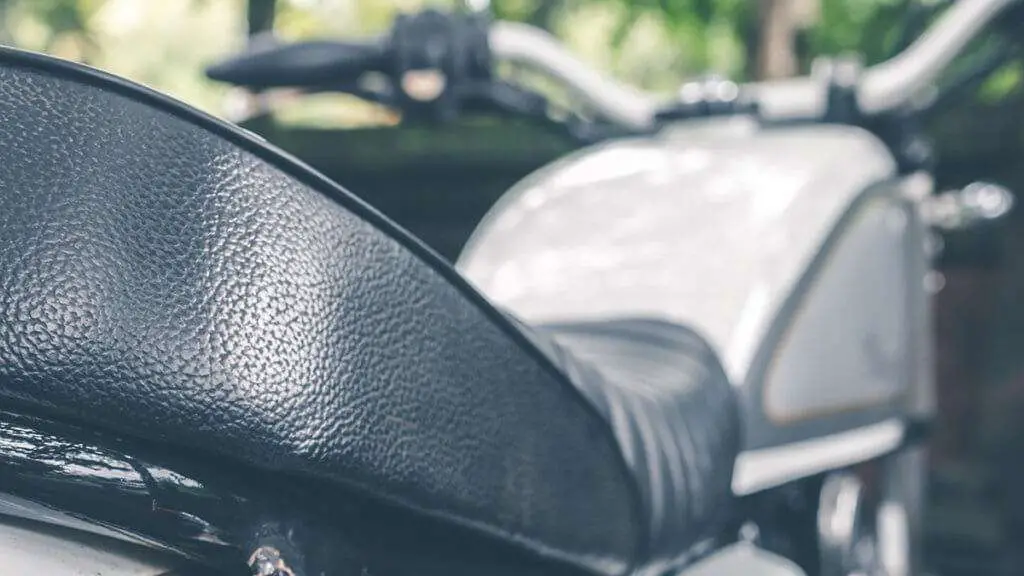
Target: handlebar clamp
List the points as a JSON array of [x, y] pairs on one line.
[[841, 76], [706, 97]]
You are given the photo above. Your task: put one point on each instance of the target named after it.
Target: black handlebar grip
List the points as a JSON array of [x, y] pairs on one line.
[[303, 64]]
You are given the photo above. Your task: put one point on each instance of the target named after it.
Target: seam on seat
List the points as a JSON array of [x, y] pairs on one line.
[[565, 340]]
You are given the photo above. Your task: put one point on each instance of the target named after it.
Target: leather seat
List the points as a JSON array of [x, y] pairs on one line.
[[170, 278], [663, 391]]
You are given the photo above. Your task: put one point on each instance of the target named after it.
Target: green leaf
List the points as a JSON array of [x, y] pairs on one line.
[[1002, 83]]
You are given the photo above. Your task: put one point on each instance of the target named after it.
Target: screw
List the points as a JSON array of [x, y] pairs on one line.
[[267, 561]]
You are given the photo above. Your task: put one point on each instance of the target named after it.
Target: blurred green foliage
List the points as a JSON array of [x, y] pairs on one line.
[[162, 44], [653, 43]]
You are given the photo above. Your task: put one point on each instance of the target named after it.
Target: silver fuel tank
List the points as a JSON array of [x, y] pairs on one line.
[[793, 250]]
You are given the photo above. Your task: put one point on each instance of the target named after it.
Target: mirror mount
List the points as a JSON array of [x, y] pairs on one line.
[[974, 205]]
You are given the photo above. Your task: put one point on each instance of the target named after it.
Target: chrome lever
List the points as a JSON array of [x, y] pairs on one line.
[[973, 205]]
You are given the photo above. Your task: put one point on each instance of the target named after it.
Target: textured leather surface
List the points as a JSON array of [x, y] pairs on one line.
[[166, 277], [674, 414]]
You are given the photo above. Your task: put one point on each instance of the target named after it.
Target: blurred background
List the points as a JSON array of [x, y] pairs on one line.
[[439, 182]]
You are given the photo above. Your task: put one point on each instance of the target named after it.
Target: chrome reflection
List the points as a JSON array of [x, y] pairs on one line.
[[60, 475], [973, 205], [29, 451]]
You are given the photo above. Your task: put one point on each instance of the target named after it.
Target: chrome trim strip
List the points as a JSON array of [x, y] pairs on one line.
[[758, 470]]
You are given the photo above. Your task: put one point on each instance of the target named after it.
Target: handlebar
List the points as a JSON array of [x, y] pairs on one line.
[[303, 64], [882, 88], [533, 47], [891, 84], [879, 89]]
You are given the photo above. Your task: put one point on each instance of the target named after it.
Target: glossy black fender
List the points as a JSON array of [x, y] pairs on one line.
[[217, 519]]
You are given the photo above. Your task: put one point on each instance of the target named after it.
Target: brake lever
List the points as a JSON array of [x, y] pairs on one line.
[[507, 98], [384, 93], [439, 65]]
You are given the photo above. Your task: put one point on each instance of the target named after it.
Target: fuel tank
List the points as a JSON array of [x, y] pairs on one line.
[[793, 250]]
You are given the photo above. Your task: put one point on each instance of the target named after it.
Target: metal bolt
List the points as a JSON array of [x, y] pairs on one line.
[[267, 561]]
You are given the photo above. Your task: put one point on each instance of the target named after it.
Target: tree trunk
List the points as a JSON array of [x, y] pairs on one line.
[[777, 28]]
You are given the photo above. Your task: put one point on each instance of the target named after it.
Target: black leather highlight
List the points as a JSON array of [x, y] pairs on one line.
[[674, 414], [166, 277]]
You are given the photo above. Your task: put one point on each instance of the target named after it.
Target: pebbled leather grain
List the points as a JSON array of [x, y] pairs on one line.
[[674, 413], [168, 278]]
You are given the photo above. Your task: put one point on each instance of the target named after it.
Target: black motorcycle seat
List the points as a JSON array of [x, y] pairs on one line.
[[665, 394], [168, 277]]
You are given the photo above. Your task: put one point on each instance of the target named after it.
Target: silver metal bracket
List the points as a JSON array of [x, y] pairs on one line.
[[975, 204]]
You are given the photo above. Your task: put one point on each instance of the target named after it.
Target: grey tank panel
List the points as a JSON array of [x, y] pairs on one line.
[[712, 228], [716, 226]]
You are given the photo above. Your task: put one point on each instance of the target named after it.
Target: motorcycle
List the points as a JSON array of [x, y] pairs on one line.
[[700, 345]]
